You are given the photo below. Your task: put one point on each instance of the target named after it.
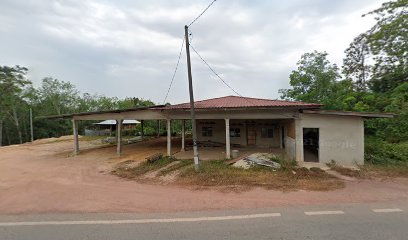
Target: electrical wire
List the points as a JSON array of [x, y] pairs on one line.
[[174, 73], [202, 13], [216, 74], [229, 86]]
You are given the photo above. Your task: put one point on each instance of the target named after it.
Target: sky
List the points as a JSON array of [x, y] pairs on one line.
[[129, 48]]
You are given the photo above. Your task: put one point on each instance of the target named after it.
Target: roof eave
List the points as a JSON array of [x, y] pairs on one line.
[[68, 116], [242, 108], [352, 114]]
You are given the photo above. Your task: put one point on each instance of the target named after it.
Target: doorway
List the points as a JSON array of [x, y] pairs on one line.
[[311, 144], [251, 136]]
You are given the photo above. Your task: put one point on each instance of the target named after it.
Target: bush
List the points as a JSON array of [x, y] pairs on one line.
[[149, 131], [286, 165], [129, 132], [384, 153]]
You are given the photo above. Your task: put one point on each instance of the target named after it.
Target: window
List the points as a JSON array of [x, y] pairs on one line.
[[267, 132], [235, 132], [207, 131]]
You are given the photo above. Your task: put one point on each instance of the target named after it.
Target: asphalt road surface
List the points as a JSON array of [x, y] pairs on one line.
[[356, 221]]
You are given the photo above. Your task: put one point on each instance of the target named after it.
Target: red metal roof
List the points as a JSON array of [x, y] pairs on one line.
[[242, 102]]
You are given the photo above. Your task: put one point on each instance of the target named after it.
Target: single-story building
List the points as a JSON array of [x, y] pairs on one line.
[[105, 128], [304, 131]]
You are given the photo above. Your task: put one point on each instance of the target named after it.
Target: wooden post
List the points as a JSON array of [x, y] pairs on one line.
[[76, 139], [227, 139], [183, 134], [119, 137], [168, 137]]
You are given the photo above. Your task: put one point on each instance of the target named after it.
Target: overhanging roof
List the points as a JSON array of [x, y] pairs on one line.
[[347, 113], [235, 103], [67, 116]]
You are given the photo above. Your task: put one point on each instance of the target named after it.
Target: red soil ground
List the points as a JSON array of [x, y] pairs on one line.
[[44, 178]]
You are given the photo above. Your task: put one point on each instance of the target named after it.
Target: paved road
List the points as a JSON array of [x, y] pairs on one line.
[[358, 221]]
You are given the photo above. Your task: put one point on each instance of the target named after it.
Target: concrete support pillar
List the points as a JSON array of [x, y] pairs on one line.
[[227, 139], [183, 135], [76, 138], [168, 137], [119, 137], [158, 128], [299, 140], [142, 128]]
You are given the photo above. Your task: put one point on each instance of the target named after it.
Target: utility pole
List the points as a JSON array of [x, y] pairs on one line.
[[31, 125], [190, 88]]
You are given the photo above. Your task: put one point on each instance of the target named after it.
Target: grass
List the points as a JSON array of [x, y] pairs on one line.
[[176, 167], [220, 175], [384, 171], [370, 170], [134, 172], [345, 171]]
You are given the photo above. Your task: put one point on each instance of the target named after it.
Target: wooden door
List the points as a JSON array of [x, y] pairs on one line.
[[251, 136]]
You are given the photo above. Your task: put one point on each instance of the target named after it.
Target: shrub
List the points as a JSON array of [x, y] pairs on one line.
[[381, 152], [286, 165]]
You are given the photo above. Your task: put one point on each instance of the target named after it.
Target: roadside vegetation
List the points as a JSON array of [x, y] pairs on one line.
[[218, 174]]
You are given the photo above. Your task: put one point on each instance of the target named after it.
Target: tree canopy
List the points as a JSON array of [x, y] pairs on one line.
[[374, 74], [52, 97]]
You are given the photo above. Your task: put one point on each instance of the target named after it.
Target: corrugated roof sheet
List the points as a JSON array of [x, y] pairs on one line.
[[242, 102]]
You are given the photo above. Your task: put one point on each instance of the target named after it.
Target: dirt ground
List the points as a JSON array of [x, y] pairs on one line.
[[43, 177]]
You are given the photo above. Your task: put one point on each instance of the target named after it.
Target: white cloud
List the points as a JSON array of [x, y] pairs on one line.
[[129, 48]]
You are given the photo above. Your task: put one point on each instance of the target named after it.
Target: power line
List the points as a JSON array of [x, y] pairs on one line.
[[229, 86], [216, 74], [202, 13], [174, 73]]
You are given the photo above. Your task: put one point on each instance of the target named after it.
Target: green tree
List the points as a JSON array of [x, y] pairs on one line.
[[355, 64], [13, 83], [388, 43], [129, 102], [54, 97], [314, 80], [57, 97]]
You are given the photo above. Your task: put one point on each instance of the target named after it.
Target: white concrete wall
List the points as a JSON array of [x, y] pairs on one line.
[[218, 129], [341, 138], [268, 142], [218, 126]]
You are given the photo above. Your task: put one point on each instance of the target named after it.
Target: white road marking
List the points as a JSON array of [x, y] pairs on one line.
[[140, 221], [387, 210], [324, 213]]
